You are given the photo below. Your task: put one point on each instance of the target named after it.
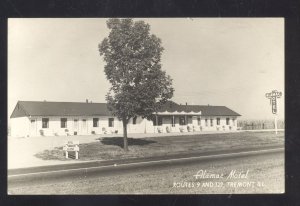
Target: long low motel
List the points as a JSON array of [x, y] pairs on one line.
[[33, 118]]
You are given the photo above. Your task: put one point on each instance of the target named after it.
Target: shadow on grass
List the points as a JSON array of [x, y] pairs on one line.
[[118, 141], [55, 154]]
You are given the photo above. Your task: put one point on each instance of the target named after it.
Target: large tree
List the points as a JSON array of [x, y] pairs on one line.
[[133, 67]]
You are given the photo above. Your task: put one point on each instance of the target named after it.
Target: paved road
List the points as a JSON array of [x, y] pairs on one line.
[[58, 173]]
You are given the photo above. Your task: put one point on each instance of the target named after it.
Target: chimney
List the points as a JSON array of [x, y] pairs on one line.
[[87, 101]]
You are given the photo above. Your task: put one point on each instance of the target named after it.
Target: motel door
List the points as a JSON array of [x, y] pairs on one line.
[[76, 126], [195, 121], [83, 126], [132, 126], [32, 127]]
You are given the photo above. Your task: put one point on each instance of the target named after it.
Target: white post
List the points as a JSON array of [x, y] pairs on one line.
[[145, 131], [156, 126], [276, 123], [76, 155], [67, 156], [173, 123]]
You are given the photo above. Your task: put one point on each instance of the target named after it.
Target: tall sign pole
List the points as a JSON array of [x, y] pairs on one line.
[[273, 101]]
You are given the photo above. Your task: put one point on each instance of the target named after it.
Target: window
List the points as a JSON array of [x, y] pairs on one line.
[[218, 121], [110, 122], [211, 122], [182, 121], [159, 121], [206, 122], [173, 121], [95, 122], [63, 122], [199, 121], [134, 120], [45, 122], [227, 121]]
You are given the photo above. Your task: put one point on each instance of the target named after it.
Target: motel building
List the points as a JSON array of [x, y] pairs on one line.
[[33, 118]]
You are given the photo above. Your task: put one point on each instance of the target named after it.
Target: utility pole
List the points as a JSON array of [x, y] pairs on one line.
[[273, 101]]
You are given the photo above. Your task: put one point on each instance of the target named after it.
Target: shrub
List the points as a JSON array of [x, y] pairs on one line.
[[189, 129], [168, 129], [104, 130], [159, 130], [42, 132], [194, 128]]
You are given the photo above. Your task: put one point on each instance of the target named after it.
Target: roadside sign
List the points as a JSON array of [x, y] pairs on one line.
[[273, 101], [71, 146]]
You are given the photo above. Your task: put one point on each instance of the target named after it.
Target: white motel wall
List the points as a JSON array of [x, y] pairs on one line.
[[33, 118], [86, 125], [20, 127]]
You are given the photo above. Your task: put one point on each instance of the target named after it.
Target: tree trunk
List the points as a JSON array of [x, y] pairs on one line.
[[125, 145]]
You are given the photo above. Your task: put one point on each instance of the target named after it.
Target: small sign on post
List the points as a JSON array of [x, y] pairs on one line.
[[71, 146], [273, 101]]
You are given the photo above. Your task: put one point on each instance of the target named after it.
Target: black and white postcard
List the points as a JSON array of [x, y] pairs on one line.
[[145, 106]]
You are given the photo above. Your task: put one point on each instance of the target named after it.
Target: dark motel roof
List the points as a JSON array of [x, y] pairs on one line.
[[45, 108], [204, 110]]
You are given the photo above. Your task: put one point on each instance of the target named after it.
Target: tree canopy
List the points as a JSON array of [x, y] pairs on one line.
[[133, 67]]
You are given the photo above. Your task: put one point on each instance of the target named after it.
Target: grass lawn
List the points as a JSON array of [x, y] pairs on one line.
[[108, 148]]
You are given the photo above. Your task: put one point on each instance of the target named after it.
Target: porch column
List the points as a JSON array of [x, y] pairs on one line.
[[173, 123]]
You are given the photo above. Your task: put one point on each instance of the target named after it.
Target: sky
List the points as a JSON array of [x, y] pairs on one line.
[[217, 61]]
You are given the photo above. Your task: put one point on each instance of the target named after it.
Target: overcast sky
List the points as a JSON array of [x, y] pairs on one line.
[[217, 61]]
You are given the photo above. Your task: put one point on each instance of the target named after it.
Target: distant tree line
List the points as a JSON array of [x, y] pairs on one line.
[[260, 124]]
